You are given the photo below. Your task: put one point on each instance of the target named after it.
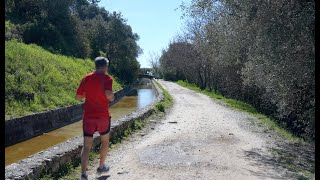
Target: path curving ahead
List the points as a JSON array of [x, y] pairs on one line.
[[197, 139]]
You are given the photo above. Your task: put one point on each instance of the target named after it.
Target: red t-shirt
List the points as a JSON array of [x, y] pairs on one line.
[[96, 104]]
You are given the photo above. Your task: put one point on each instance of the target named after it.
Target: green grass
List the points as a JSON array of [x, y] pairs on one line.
[[37, 80], [166, 102], [291, 161], [242, 106]]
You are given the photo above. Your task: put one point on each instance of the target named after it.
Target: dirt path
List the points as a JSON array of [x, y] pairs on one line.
[[197, 139]]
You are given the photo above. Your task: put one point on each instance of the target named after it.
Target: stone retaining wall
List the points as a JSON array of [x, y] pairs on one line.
[[25, 127], [51, 159]]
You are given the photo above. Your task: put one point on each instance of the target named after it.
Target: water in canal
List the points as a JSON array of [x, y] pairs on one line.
[[138, 99]]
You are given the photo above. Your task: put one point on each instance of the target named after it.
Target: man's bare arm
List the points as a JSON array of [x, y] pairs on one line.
[[109, 95], [80, 97]]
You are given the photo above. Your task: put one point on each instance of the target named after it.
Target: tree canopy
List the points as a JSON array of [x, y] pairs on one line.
[[258, 51], [76, 28]]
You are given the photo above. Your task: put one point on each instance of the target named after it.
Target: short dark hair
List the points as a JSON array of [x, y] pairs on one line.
[[101, 62]]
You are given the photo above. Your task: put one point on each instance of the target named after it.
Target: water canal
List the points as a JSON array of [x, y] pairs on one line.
[[139, 97]]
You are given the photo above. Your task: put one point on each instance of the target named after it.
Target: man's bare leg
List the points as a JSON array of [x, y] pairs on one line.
[[104, 147], [87, 144]]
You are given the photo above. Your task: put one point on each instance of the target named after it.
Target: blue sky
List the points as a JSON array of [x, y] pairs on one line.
[[156, 22]]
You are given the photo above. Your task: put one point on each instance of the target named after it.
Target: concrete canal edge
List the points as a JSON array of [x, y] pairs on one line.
[[51, 159], [25, 127]]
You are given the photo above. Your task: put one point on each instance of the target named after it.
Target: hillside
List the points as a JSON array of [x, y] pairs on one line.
[[37, 80]]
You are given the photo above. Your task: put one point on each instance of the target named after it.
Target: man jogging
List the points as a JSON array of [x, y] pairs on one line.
[[96, 89]]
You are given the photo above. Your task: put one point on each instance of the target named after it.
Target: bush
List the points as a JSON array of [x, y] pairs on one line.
[[160, 107], [11, 31], [259, 52]]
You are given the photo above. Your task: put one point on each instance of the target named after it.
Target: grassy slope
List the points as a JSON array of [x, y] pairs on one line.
[[242, 106], [32, 71]]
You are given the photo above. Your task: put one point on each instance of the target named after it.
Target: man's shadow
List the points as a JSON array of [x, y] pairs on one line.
[[103, 177]]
